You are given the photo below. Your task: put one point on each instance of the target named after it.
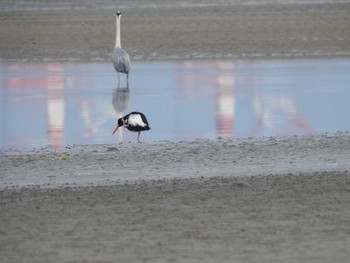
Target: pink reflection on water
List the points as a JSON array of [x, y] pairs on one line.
[[30, 78], [39, 90], [224, 82], [55, 105], [225, 99]]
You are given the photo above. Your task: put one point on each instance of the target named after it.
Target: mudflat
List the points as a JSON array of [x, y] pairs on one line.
[[256, 31], [289, 218]]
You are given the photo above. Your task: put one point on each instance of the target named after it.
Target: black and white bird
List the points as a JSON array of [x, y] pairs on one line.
[[120, 57], [135, 122]]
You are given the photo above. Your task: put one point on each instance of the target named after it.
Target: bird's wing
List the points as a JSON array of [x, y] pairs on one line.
[[121, 60], [125, 60], [136, 120]]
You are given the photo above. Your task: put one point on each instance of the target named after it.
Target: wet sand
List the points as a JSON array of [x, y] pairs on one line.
[[282, 218], [282, 199], [263, 31]]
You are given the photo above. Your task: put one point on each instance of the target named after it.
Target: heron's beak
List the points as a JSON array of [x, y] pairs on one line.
[[115, 129]]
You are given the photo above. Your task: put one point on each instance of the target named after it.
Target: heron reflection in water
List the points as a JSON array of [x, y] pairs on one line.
[[120, 102]]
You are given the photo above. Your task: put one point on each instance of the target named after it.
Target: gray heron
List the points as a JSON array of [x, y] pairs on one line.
[[120, 57]]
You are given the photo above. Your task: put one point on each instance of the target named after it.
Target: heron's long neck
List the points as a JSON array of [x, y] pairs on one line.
[[117, 35]]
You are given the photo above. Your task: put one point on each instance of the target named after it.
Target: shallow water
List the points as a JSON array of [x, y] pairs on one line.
[[60, 104]]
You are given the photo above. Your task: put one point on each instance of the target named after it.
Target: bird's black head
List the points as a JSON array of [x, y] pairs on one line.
[[120, 122], [118, 13]]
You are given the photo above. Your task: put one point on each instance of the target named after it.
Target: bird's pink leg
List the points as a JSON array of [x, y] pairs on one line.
[[138, 138]]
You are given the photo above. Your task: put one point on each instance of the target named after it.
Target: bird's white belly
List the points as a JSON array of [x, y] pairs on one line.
[[136, 120]]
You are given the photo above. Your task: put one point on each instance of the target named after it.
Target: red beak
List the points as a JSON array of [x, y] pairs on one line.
[[115, 129]]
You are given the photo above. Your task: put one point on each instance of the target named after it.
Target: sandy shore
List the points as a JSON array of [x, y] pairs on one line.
[[96, 165], [280, 199], [314, 30]]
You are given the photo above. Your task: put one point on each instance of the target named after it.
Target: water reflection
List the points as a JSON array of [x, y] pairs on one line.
[[55, 107], [120, 102], [58, 104], [225, 100], [273, 100]]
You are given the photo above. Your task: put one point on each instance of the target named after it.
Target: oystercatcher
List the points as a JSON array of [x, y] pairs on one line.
[[135, 122]]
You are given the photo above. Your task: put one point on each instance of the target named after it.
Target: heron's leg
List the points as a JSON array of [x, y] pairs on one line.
[[127, 80], [118, 80]]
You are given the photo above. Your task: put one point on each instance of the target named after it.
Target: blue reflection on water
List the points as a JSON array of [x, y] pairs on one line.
[[61, 104]]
